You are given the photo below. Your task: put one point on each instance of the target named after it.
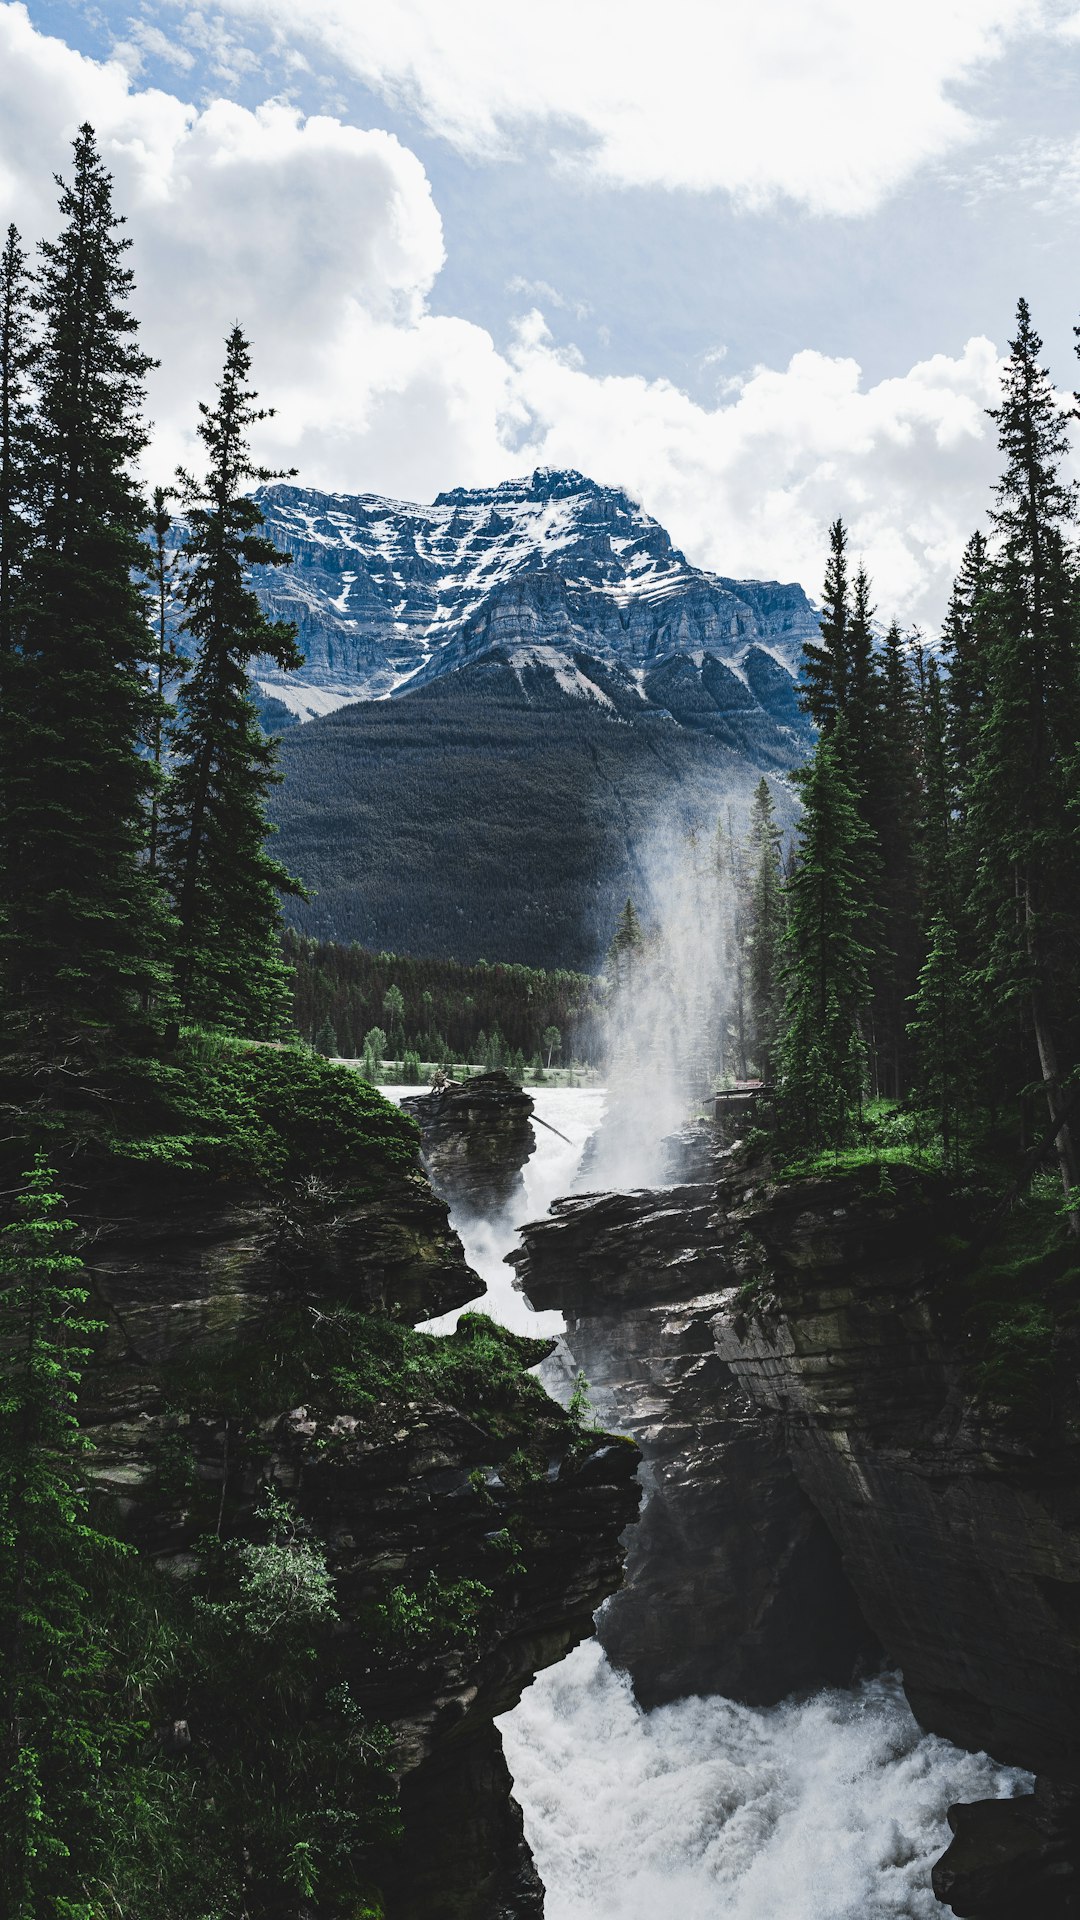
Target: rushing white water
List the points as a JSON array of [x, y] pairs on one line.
[[830, 1808], [576, 1113]]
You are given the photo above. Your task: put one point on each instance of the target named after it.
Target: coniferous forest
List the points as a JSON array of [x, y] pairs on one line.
[[189, 1726]]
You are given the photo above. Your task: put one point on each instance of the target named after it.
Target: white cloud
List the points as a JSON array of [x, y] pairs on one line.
[[832, 105], [323, 240]]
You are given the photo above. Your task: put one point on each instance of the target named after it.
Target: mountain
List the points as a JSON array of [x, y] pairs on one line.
[[388, 595], [505, 810], [508, 695]]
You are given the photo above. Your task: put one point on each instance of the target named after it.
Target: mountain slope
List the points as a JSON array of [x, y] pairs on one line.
[[504, 810]]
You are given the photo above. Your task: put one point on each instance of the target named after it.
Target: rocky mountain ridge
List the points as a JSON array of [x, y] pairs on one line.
[[389, 594]]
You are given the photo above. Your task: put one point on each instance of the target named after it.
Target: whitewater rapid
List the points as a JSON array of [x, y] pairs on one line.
[[828, 1808]]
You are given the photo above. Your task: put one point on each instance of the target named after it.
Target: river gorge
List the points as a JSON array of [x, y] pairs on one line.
[[747, 1750]]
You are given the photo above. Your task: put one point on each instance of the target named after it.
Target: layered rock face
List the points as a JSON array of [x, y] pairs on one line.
[[209, 1297], [792, 1361], [958, 1532], [734, 1585], [476, 1136]]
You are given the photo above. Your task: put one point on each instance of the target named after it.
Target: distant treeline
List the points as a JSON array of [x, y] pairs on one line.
[[442, 1009]]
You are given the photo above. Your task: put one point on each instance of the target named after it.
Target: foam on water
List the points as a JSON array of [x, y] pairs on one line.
[[831, 1808], [576, 1112]]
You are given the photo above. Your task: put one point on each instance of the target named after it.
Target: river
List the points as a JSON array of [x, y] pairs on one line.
[[825, 1808]]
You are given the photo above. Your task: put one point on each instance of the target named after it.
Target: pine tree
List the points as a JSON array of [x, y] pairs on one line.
[[326, 1041], [1026, 886], [893, 810], [826, 663], [167, 662], [16, 357], [822, 1049], [84, 941], [49, 1745], [965, 644], [942, 1030], [766, 931], [627, 946], [227, 888], [861, 705]]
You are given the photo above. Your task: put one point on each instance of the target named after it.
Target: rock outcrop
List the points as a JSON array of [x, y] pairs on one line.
[[796, 1364], [476, 1136], [733, 1583], [222, 1308], [958, 1528]]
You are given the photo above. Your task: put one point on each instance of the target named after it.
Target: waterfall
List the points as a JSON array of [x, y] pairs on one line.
[[826, 1808]]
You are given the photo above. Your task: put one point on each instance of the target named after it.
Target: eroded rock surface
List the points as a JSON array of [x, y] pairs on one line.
[[476, 1137], [734, 1585], [210, 1296], [959, 1531]]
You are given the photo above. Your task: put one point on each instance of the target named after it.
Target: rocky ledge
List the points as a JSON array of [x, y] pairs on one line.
[[262, 1337], [796, 1364], [476, 1136]]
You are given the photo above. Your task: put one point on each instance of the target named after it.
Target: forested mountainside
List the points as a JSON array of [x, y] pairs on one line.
[[386, 593], [504, 810]]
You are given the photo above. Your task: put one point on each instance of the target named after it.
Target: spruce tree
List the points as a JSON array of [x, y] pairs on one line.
[[229, 969], [826, 662], [168, 661], [84, 940], [627, 946], [965, 645], [49, 1745], [766, 930], [942, 1029], [1025, 897], [823, 1050], [16, 356], [862, 701]]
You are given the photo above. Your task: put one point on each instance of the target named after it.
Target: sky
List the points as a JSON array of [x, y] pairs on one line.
[[757, 265]]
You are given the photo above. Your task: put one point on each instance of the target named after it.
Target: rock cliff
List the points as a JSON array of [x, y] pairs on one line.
[[261, 1337], [734, 1584], [476, 1136], [796, 1361]]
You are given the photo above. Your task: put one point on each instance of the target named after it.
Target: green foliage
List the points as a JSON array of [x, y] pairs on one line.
[[765, 932], [226, 886], [82, 944], [444, 1006], [823, 1053], [250, 1112], [440, 1614], [52, 1734]]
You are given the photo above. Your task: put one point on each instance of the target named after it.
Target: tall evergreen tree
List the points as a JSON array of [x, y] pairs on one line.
[[1026, 891], [766, 931], [627, 945], [826, 662], [16, 355], [861, 704], [226, 886], [168, 661], [965, 645], [48, 1742], [84, 935], [822, 1049]]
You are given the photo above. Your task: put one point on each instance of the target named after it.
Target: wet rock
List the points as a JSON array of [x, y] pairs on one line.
[[476, 1137], [959, 1532], [733, 1583], [1011, 1859]]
